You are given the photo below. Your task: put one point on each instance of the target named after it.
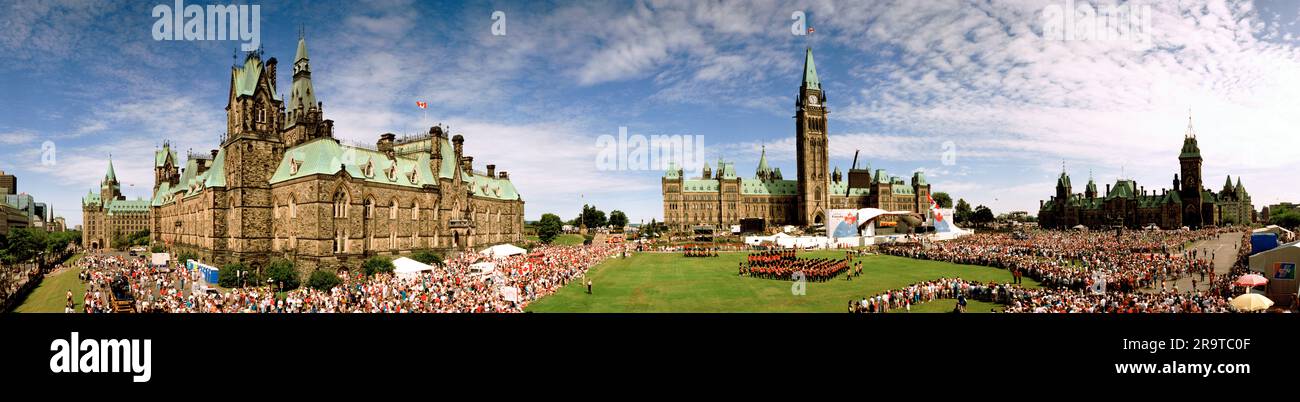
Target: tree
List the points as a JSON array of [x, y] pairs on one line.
[[943, 199], [549, 227], [592, 217], [962, 213], [377, 264], [282, 272], [617, 219], [983, 215], [323, 280], [187, 255], [158, 248], [1286, 218], [236, 275], [427, 257]]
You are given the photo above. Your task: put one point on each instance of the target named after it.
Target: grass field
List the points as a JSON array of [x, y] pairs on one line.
[[668, 282], [49, 296]]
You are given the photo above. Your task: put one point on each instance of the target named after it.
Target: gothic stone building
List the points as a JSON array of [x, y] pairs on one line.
[[1130, 205], [282, 186], [721, 198], [108, 217]]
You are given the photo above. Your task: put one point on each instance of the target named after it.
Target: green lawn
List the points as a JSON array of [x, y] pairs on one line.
[[668, 282], [50, 295]]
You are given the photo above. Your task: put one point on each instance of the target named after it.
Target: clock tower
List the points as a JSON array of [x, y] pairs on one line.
[[810, 140], [1190, 190]]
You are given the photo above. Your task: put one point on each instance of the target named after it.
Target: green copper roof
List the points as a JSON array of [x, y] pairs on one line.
[[301, 54], [161, 156], [699, 186], [918, 179], [770, 187], [1123, 188], [810, 71], [244, 79], [127, 206], [672, 172], [902, 189], [91, 199], [839, 188], [216, 174], [1190, 149], [762, 163], [1063, 180], [111, 175], [326, 156]]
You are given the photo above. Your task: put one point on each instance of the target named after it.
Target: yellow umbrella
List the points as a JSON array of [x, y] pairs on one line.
[[1251, 302]]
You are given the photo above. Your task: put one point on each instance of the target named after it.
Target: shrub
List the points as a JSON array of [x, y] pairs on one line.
[[158, 248], [377, 264], [323, 280], [427, 257], [283, 272], [230, 277]]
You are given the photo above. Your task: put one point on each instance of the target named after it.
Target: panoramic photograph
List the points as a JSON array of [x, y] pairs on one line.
[[827, 158]]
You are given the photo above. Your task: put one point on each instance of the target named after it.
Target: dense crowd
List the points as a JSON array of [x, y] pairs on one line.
[[784, 264], [1094, 272], [451, 287]]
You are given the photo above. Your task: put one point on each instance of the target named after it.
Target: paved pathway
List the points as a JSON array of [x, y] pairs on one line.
[[1224, 251]]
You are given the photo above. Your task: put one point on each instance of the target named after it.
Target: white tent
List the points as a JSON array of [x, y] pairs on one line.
[[160, 259], [502, 251], [482, 268], [404, 267]]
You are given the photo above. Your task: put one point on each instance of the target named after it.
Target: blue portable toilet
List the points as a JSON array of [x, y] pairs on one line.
[[1261, 242]]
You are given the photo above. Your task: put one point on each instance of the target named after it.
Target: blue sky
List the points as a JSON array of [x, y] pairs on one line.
[[902, 78]]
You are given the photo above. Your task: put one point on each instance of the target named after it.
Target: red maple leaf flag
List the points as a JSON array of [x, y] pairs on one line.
[[811, 30], [422, 105], [938, 217]]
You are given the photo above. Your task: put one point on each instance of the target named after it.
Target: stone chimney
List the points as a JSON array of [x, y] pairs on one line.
[[214, 154], [468, 163], [1108, 190], [270, 71], [385, 144], [1040, 204], [504, 175], [458, 144], [492, 170]]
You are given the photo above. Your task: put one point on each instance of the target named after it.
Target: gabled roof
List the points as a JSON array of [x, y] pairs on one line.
[[770, 187]]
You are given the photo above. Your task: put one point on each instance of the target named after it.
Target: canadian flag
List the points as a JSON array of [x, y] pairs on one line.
[[421, 104], [811, 30], [934, 206]]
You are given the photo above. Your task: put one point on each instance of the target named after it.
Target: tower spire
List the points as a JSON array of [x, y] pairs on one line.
[[1189, 133], [810, 71]]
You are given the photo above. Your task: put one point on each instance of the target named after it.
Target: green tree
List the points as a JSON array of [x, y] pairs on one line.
[[283, 273], [158, 248], [323, 280], [983, 215], [962, 212], [427, 257], [943, 199], [377, 264], [617, 219], [549, 227], [592, 217], [1285, 218], [187, 255], [236, 275]]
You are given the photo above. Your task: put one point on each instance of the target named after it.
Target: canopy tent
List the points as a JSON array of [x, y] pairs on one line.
[[405, 267], [502, 251], [160, 259], [482, 268]]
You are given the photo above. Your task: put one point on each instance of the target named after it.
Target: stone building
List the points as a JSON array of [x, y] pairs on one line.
[[282, 186], [721, 198], [108, 217], [1128, 204]]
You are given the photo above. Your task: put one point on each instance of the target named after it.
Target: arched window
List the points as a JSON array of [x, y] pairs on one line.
[[293, 208], [341, 205], [369, 211], [415, 211], [392, 210]]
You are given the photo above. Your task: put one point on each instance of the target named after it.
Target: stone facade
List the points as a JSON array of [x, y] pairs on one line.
[[720, 198], [108, 217], [1127, 204], [281, 186]]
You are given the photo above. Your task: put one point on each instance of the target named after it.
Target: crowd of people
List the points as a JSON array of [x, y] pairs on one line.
[[699, 251], [451, 287], [785, 264], [1129, 272]]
